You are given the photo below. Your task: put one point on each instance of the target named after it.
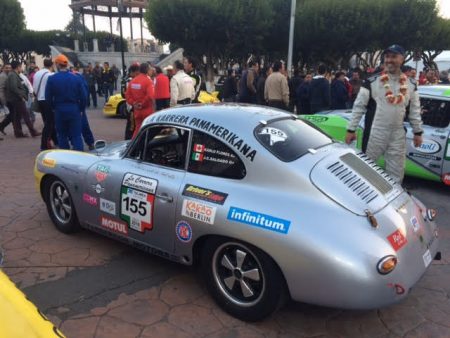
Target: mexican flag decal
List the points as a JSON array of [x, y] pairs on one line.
[[197, 154]]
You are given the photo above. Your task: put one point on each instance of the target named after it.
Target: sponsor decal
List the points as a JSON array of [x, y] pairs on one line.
[[215, 129], [415, 223], [434, 165], [198, 211], [428, 147], [49, 162], [102, 172], [140, 182], [425, 156], [107, 206], [446, 178], [397, 240], [137, 209], [259, 220], [184, 231], [98, 188], [427, 258], [275, 135], [204, 194], [113, 225], [91, 200], [315, 119]]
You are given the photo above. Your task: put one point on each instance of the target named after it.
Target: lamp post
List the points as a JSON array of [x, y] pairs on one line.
[[122, 53], [291, 37]]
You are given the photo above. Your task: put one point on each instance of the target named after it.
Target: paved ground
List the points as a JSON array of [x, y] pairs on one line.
[[91, 286]]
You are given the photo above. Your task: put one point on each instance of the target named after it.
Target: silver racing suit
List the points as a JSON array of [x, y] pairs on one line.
[[384, 133]]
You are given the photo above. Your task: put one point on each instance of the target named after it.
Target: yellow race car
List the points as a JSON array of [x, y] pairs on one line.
[[19, 318], [116, 106]]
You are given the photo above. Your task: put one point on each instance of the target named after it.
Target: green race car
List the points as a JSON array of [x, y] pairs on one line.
[[430, 161]]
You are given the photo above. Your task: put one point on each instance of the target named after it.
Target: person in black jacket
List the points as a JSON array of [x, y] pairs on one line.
[[230, 87], [339, 93], [320, 91], [302, 96]]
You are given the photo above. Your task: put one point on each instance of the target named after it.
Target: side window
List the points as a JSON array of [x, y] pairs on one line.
[[162, 145], [211, 157], [435, 113]]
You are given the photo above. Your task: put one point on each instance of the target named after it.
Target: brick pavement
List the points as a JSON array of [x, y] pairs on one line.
[[91, 286]]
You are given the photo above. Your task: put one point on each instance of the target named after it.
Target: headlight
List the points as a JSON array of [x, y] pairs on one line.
[[387, 264]]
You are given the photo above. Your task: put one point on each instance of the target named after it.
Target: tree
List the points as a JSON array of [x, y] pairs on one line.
[[12, 20], [75, 27]]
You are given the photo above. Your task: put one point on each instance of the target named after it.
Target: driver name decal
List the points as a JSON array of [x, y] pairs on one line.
[[212, 128], [140, 182], [259, 220]]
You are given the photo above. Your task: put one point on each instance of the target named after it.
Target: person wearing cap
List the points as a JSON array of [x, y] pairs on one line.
[[66, 94], [17, 94], [384, 99], [141, 96]]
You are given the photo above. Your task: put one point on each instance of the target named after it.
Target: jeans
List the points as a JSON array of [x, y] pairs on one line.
[[49, 131], [86, 130], [107, 90], [93, 94], [21, 112]]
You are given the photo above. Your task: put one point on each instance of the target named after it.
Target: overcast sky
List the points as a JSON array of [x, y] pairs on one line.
[[58, 14]]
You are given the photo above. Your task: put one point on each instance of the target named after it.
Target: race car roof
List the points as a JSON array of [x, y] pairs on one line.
[[441, 92]]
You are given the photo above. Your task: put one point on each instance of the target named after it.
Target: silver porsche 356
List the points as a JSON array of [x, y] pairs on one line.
[[268, 206]]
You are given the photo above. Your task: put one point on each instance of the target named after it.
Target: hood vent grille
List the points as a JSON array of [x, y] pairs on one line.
[[355, 171]]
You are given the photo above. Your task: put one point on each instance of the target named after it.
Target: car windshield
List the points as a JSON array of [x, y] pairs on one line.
[[289, 139]]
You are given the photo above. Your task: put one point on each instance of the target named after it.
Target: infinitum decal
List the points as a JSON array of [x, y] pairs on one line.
[[259, 220]]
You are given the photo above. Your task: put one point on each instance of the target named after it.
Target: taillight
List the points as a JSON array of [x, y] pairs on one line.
[[387, 264]]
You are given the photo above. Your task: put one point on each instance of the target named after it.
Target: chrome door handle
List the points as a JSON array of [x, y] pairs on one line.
[[165, 197]]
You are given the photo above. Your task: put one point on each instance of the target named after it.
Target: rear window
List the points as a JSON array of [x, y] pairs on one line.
[[290, 139]]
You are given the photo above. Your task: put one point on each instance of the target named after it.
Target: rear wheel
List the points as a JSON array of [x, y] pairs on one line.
[[122, 110], [60, 206], [243, 280]]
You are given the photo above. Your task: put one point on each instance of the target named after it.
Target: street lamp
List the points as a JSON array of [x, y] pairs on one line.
[[122, 53], [291, 37]]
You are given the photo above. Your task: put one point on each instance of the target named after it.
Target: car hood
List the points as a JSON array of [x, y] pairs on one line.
[[354, 181]]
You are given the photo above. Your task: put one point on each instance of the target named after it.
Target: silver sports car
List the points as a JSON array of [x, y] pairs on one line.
[[268, 205]]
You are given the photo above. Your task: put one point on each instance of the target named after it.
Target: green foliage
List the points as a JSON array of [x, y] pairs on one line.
[[75, 26], [12, 20]]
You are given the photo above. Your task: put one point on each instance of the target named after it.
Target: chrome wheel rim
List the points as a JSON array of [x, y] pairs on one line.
[[60, 202], [238, 274]]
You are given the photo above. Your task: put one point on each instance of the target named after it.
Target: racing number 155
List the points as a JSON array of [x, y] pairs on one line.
[[135, 206]]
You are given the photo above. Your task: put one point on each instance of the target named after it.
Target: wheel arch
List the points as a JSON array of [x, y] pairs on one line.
[[201, 241]]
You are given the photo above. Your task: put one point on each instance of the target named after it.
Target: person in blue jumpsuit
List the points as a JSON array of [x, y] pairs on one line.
[[86, 131], [66, 95]]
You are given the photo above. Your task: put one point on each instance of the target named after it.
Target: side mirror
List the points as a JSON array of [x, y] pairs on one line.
[[99, 144]]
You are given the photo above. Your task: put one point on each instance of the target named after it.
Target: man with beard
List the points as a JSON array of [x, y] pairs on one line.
[[384, 99]]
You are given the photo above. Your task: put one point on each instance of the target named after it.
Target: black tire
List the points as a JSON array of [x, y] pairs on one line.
[[122, 110], [60, 206], [250, 287]]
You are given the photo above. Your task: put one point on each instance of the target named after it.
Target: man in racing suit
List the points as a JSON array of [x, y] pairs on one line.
[[141, 96], [385, 99]]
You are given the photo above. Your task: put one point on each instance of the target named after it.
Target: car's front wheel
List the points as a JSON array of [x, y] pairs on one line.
[[60, 206], [243, 280], [122, 110]]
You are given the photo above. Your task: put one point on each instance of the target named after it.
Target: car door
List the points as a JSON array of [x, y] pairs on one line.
[[432, 153], [137, 194]]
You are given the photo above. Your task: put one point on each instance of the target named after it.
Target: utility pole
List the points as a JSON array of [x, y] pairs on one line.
[[291, 37], [122, 52]]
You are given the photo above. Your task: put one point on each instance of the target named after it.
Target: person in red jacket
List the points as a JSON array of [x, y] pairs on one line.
[[162, 90], [140, 95]]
